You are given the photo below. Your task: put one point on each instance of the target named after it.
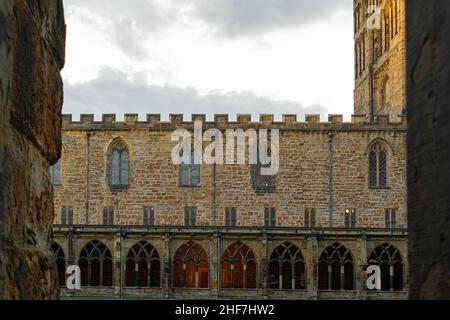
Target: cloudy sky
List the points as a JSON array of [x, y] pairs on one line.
[[209, 56]]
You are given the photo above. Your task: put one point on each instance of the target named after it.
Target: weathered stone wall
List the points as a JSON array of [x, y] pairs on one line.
[[303, 180], [381, 76], [429, 147], [32, 41]]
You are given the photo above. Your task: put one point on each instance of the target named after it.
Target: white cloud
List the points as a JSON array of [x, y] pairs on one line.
[[123, 94]]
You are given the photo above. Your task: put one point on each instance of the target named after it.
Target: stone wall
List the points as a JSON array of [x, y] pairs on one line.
[[381, 77], [303, 180], [32, 41], [429, 147]]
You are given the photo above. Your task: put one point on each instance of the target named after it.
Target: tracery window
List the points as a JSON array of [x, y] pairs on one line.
[[238, 266], [143, 266], [60, 263], [377, 166], [336, 269], [96, 265], [388, 258], [287, 268], [119, 166], [190, 267]]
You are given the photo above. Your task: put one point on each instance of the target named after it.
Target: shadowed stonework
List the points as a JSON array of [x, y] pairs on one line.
[[429, 148], [32, 42]]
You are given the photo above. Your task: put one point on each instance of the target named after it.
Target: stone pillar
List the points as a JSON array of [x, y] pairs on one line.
[[360, 269], [214, 272], [118, 271], [166, 265], [32, 53], [264, 267], [313, 268]]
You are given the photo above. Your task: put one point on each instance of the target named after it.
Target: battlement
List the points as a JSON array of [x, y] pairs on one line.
[[288, 121]]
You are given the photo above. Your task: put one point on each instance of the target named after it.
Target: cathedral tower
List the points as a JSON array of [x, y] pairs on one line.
[[380, 58]]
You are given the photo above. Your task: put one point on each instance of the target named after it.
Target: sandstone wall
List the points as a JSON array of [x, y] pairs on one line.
[[32, 41], [303, 180], [383, 74]]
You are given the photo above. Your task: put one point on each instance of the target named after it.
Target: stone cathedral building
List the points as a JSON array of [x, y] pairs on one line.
[[138, 225]]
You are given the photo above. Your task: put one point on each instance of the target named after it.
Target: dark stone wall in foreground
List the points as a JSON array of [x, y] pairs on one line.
[[428, 47], [32, 42]]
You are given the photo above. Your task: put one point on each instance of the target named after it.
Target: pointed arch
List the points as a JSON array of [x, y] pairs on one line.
[[190, 266], [378, 164], [336, 268], [119, 153], [96, 264], [238, 266], [287, 267], [60, 257], [389, 259], [143, 266]]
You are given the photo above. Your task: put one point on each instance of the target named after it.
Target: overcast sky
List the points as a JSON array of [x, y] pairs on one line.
[[209, 56]]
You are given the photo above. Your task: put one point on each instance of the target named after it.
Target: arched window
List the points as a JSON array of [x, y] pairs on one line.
[[55, 173], [388, 258], [238, 267], [96, 265], [60, 263], [287, 268], [377, 166], [143, 266], [190, 267], [336, 271], [119, 166]]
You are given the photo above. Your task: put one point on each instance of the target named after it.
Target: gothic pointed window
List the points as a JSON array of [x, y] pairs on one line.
[[55, 173], [96, 265], [336, 269], [142, 267], [287, 268], [60, 262], [119, 163], [377, 166], [388, 258], [238, 267], [190, 267]]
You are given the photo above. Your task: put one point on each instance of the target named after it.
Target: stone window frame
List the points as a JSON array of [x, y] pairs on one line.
[[190, 257], [270, 217], [350, 218], [387, 254], [148, 216], [336, 254], [92, 252], [111, 147], [310, 217], [231, 217], [192, 167], [391, 218], [236, 256], [143, 262], [67, 216], [55, 173], [262, 184], [390, 152], [190, 216], [61, 262], [287, 253], [108, 215]]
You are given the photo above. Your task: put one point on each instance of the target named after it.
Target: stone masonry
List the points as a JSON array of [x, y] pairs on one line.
[[323, 165], [32, 42]]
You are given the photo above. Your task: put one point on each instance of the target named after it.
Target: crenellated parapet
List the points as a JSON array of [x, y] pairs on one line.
[[221, 121]]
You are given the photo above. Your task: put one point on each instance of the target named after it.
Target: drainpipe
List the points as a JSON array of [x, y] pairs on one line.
[[88, 137], [330, 177], [213, 198]]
